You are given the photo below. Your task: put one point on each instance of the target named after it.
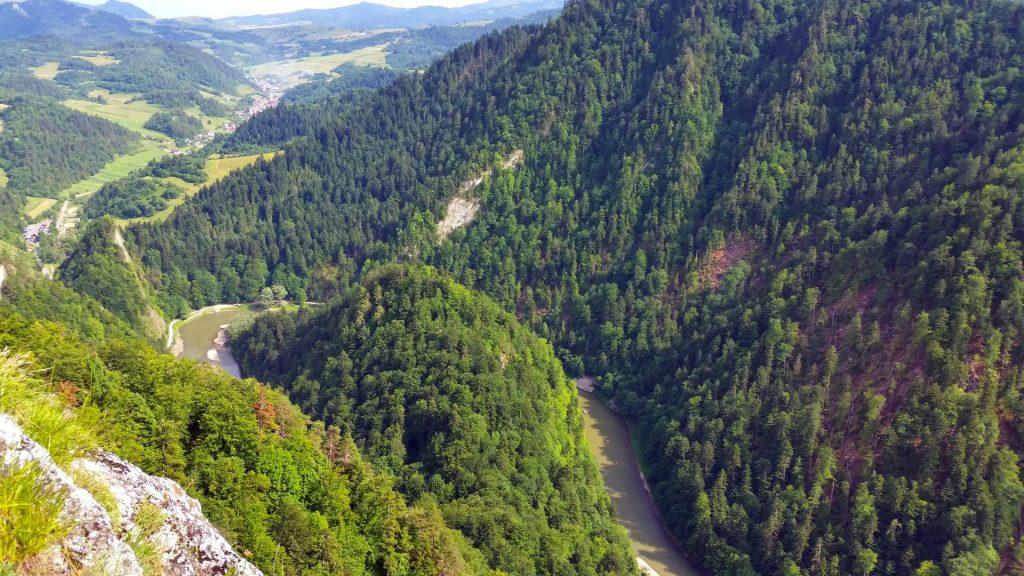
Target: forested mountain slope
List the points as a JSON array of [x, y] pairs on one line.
[[788, 234], [101, 268], [439, 385], [291, 495], [45, 147]]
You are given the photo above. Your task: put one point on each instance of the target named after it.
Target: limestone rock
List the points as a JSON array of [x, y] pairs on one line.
[[185, 541]]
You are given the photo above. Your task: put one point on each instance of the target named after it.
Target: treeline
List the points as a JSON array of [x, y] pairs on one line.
[[309, 106], [176, 124], [45, 147], [167, 73], [189, 167], [347, 81], [786, 233], [440, 386], [132, 197], [99, 267]]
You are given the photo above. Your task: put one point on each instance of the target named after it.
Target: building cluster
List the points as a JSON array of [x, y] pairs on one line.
[[259, 104], [33, 232]]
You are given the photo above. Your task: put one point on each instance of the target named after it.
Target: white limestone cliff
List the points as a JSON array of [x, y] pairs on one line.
[[181, 543]]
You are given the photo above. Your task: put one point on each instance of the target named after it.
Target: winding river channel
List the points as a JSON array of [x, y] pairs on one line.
[[202, 336]]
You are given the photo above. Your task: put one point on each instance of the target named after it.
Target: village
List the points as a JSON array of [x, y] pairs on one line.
[[269, 97]]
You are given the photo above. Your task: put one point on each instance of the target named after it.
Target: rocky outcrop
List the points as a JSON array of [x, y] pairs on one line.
[[141, 509], [463, 207], [92, 544], [190, 545]]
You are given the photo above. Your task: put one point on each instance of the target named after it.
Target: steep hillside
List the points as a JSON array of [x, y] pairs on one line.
[[45, 147], [100, 267], [785, 234], [289, 495], [445, 389]]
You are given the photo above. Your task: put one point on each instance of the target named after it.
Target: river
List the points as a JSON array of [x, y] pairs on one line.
[[203, 337], [609, 441]]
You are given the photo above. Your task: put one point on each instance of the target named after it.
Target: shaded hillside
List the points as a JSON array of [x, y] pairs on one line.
[[58, 18], [290, 495], [442, 387], [786, 233], [125, 9]]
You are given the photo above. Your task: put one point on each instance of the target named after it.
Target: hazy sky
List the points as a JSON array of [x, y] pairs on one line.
[[219, 8]]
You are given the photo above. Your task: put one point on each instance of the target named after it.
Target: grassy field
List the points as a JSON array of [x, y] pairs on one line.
[[99, 58], [35, 206], [120, 110], [47, 71], [3, 177], [290, 73], [209, 122], [116, 169], [216, 169]]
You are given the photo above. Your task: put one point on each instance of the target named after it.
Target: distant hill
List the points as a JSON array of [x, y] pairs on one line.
[[125, 9], [366, 15], [58, 18]]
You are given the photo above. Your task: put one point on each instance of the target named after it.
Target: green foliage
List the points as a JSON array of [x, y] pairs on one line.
[[176, 124], [45, 147], [440, 386], [787, 233], [30, 519], [168, 74], [294, 496], [37, 298], [188, 167], [101, 267], [346, 82], [131, 197]]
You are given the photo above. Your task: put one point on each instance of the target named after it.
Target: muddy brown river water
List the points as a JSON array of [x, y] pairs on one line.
[[610, 444]]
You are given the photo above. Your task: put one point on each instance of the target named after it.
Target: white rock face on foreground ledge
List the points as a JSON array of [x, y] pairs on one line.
[[188, 544]]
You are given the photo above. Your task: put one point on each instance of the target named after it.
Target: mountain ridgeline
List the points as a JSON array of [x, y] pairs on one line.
[[785, 234], [446, 390]]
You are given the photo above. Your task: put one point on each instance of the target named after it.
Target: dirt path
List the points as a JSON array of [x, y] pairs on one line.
[[62, 219]]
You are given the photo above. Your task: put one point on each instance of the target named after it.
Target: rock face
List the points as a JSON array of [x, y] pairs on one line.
[[185, 541], [190, 545], [92, 543]]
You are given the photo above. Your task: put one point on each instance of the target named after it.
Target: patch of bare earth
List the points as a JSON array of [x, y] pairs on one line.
[[719, 261], [462, 209]]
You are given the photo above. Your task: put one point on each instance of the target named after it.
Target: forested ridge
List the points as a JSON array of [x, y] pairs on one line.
[[45, 147], [785, 233], [443, 388], [293, 496]]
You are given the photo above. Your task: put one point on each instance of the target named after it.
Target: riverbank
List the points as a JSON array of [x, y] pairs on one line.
[[174, 343], [611, 444]]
